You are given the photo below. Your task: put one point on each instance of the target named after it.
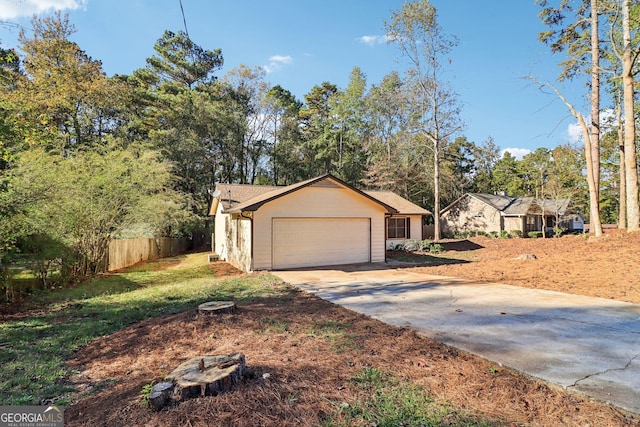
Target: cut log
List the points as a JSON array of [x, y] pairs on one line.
[[160, 395], [220, 373], [215, 307]]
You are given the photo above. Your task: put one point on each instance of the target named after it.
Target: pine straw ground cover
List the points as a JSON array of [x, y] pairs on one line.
[[312, 363], [605, 267]]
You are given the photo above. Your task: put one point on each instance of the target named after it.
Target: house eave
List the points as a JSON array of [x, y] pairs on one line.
[[255, 206]]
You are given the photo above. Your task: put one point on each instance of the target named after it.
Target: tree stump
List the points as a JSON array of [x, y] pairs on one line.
[[216, 307], [160, 394], [207, 375]]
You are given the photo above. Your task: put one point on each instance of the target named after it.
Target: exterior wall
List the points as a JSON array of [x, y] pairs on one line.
[[514, 223], [239, 242], [316, 202], [415, 230], [232, 239], [219, 236], [577, 223], [470, 214]]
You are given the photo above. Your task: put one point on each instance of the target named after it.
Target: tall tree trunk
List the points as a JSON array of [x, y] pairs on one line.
[[631, 170], [436, 193], [622, 214], [592, 140], [595, 96], [275, 152]]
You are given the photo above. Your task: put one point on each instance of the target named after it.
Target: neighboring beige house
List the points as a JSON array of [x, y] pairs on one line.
[[321, 221], [404, 225], [496, 213]]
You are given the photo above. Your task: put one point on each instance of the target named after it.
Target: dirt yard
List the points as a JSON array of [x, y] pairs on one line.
[[607, 267], [310, 350]]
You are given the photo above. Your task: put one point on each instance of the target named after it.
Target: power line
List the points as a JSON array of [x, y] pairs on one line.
[[184, 19]]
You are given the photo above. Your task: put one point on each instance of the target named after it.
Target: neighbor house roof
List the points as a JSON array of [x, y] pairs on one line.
[[518, 206], [252, 197], [497, 201], [402, 205]]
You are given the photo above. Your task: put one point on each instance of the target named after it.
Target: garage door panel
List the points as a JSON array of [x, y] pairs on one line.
[[307, 242]]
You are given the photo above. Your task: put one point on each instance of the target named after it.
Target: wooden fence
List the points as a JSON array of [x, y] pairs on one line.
[[428, 232], [125, 253]]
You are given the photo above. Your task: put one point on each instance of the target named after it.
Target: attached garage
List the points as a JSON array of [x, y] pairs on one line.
[[308, 242], [319, 222]]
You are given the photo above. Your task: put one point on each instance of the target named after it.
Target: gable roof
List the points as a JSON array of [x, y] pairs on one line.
[[496, 201], [402, 205], [518, 206], [251, 197], [234, 194]]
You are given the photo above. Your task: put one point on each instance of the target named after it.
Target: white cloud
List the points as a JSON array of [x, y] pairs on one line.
[[276, 62], [374, 40], [574, 131], [608, 121], [518, 153], [12, 9]]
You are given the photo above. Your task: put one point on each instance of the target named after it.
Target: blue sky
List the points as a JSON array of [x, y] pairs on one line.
[[302, 43]]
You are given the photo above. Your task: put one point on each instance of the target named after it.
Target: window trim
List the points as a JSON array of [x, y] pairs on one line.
[[406, 228]]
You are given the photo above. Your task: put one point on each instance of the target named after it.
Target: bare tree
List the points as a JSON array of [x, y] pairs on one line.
[[415, 30], [572, 39]]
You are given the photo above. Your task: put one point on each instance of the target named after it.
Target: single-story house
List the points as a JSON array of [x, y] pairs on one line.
[[321, 221], [496, 213], [407, 224]]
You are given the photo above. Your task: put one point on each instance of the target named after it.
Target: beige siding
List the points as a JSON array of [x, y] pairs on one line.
[[470, 214], [316, 202], [219, 233], [239, 244], [415, 230], [514, 223], [232, 239]]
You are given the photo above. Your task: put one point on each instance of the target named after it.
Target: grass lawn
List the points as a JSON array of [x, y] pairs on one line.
[[34, 347], [327, 365]]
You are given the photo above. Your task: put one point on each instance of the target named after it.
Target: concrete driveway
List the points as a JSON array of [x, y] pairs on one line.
[[585, 344]]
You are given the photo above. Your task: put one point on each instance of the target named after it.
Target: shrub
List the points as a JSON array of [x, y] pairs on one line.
[[424, 245], [534, 234], [436, 248], [410, 245], [504, 234], [558, 231], [516, 233], [449, 235]]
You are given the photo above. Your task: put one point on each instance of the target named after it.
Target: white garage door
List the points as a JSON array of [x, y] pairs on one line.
[[309, 242]]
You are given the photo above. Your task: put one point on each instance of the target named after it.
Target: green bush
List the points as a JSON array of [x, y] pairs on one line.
[[534, 234], [504, 234], [436, 248], [558, 231], [516, 233], [410, 245], [424, 245]]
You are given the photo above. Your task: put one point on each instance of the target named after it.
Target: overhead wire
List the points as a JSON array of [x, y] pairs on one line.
[[184, 20]]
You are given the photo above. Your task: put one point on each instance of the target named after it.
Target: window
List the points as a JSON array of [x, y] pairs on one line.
[[398, 228]]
